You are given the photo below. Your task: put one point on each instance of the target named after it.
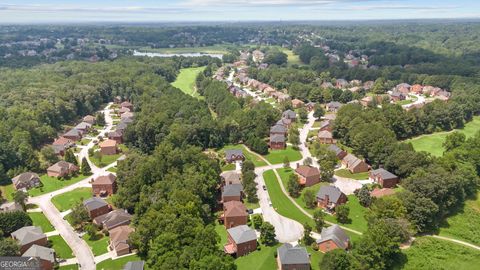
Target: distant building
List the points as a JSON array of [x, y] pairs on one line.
[[233, 155], [230, 178], [354, 164], [62, 169], [337, 150], [10, 207], [232, 193], [234, 214], [119, 240], [113, 219], [297, 103], [136, 265], [127, 105], [278, 142], [333, 106], [89, 119], [325, 137], [105, 185], [108, 147], [73, 135]]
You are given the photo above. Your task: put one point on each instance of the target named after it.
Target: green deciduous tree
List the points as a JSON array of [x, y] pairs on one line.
[[307, 239], [293, 186], [9, 247], [70, 157], [337, 259], [364, 197], [310, 198], [319, 218], [257, 221], [341, 213], [267, 234], [21, 198]]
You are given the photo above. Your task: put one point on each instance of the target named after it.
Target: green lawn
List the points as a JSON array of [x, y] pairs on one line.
[[464, 225], [99, 245], [251, 205], [433, 143], [222, 232], [39, 219], [7, 192], [249, 156], [61, 247], [186, 80], [317, 124], [347, 174], [262, 259], [293, 59], [277, 156], [69, 267], [67, 200], [112, 169], [228, 167], [118, 263], [84, 141], [428, 253], [315, 258], [107, 159], [52, 183]]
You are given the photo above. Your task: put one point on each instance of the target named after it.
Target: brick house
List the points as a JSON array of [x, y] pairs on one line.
[[337, 150], [325, 137], [330, 196], [127, 105], [277, 142], [62, 169], [113, 219], [241, 241], [297, 103], [292, 257], [83, 127], [230, 178], [333, 106], [96, 207], [28, 236], [278, 129], [26, 181], [89, 119], [108, 147], [307, 175], [119, 240], [290, 115], [116, 136], [232, 193], [104, 185], [326, 125], [122, 110], [46, 256], [384, 178], [61, 144], [234, 214], [354, 164], [73, 135], [332, 238], [233, 155]]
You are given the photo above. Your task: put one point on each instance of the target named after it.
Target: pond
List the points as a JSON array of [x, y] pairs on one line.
[[153, 54]]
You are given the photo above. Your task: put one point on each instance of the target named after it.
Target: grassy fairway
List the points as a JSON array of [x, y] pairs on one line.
[[347, 174], [60, 246], [52, 183], [67, 200], [429, 253], [262, 259], [118, 263], [40, 220], [277, 156], [186, 80], [249, 156], [99, 244], [433, 143], [464, 224]]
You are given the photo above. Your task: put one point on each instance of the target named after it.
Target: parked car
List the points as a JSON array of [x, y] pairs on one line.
[[250, 211]]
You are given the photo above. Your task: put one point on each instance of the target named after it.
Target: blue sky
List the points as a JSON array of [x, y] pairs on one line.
[[47, 11]]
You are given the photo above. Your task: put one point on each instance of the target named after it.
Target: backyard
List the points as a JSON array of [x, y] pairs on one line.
[[52, 183], [67, 200], [186, 80]]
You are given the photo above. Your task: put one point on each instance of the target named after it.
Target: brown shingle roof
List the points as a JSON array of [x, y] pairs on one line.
[[108, 143], [307, 171], [234, 209], [105, 179]]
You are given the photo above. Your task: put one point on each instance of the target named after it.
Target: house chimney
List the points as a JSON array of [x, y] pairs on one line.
[[298, 165]]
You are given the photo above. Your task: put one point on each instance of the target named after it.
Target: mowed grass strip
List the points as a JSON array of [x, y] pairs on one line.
[[67, 200], [347, 174], [40, 220], [433, 143], [186, 80]]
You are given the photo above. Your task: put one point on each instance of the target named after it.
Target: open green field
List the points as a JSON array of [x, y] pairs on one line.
[[61, 247], [39, 219], [67, 200], [293, 59], [428, 253], [52, 183], [249, 156], [347, 174], [186, 80], [433, 143], [277, 156], [118, 263], [7, 192], [464, 225], [99, 244]]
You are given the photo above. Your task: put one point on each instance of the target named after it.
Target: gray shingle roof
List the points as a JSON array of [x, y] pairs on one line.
[[278, 129], [289, 254], [352, 160], [384, 174], [336, 234], [242, 234], [231, 177], [137, 265], [325, 134], [73, 132], [289, 114], [114, 218], [24, 178], [83, 125], [28, 234], [233, 152], [43, 253], [232, 190], [277, 138], [94, 203], [334, 148], [333, 193]]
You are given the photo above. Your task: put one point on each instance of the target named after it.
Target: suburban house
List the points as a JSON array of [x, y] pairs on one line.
[[397, 96], [89, 119], [135, 265], [234, 214], [381, 192], [337, 150], [45, 255], [277, 142], [62, 169], [26, 180], [417, 89], [28, 236], [96, 207], [307, 175], [116, 136], [325, 137], [278, 129], [83, 127], [241, 241], [290, 115], [332, 238], [403, 88], [233, 155], [10, 207], [330, 196], [123, 110], [384, 178], [230, 178], [108, 147], [119, 240], [310, 106], [127, 105], [61, 144], [341, 83], [117, 99], [73, 135], [297, 103], [232, 193], [113, 219], [105, 185], [292, 257], [354, 164], [366, 101], [326, 125], [333, 106]]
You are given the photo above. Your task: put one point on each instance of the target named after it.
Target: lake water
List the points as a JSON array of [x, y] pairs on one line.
[[153, 54]]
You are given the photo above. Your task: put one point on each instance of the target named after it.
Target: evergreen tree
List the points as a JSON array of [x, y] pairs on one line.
[[70, 157], [85, 168], [267, 234]]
